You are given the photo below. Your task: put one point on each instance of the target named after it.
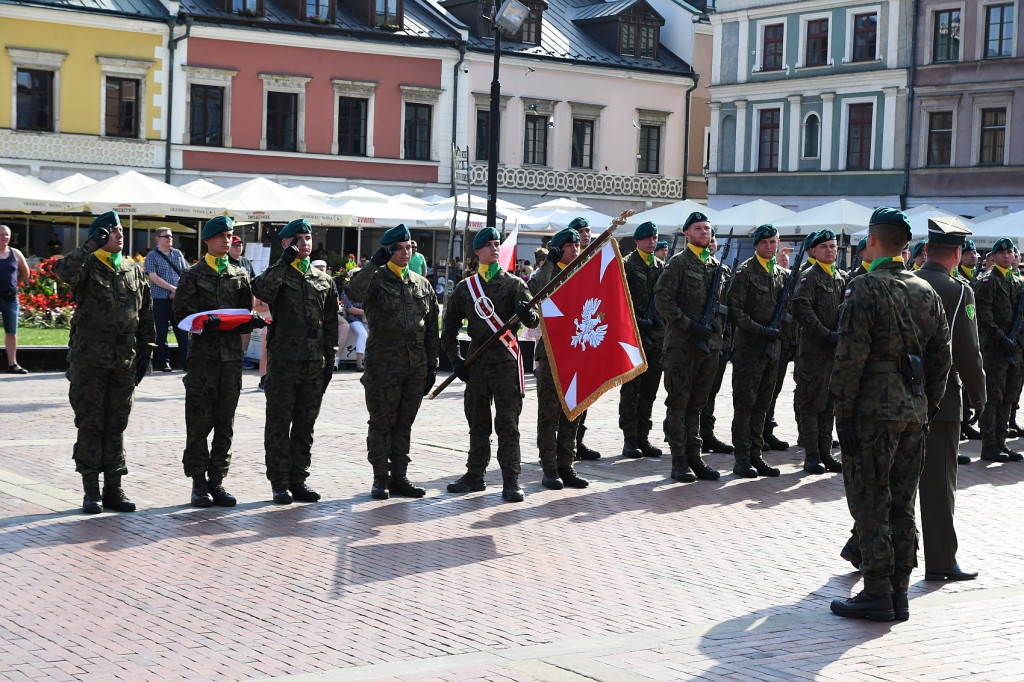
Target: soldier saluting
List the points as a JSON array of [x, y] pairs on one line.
[[401, 357], [109, 350]]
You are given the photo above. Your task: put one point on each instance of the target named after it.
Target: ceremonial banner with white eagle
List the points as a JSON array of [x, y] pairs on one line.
[[590, 332]]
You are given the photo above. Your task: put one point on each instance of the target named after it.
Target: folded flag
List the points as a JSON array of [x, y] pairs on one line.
[[230, 318]]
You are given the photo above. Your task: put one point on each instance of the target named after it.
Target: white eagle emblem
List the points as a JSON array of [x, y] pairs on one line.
[[589, 330]]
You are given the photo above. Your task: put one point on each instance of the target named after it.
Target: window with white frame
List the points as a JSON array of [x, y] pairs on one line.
[[937, 131], [946, 35], [990, 132], [35, 97], [811, 137], [123, 105], [940, 138], [771, 45], [353, 116], [483, 124], [769, 138], [284, 112], [858, 138], [999, 29], [418, 130], [585, 119], [208, 106], [650, 144], [862, 34], [815, 40]]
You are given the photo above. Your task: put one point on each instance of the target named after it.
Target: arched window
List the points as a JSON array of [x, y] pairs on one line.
[[812, 136], [727, 146]]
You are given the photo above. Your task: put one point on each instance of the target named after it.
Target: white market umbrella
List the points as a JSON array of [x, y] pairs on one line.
[[918, 217], [668, 218], [841, 216], [263, 200], [745, 217], [310, 192], [990, 215], [201, 188], [72, 183], [409, 199], [476, 201], [386, 214], [561, 202], [1008, 225], [547, 219], [24, 194], [359, 193], [133, 193]]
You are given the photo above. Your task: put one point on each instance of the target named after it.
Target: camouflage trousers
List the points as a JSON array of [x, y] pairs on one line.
[[393, 396], [494, 383], [1002, 385], [707, 414], [814, 406], [753, 386], [688, 387], [636, 397], [102, 400], [556, 435], [881, 479], [292, 409], [780, 377], [211, 396]]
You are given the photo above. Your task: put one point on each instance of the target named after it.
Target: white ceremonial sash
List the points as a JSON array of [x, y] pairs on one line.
[[485, 311]]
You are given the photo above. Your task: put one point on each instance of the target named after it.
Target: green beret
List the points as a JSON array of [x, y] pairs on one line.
[[108, 220], [578, 223], [645, 230], [300, 226], [1002, 244], [764, 232], [891, 216], [969, 245], [918, 248], [949, 230], [695, 217], [661, 245], [714, 232], [863, 244], [566, 236], [807, 240], [822, 237], [398, 233], [488, 234], [215, 226]]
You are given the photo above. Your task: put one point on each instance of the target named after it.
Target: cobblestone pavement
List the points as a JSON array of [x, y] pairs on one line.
[[634, 578]]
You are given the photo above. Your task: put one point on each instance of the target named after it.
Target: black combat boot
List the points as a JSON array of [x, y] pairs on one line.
[[114, 498], [631, 448], [681, 470], [742, 467], [878, 607], [379, 490], [303, 493], [993, 454], [571, 480], [763, 468], [773, 443], [467, 483], [697, 464], [511, 491], [582, 451], [968, 432], [92, 503], [221, 497], [551, 481], [812, 463], [712, 444], [401, 485], [851, 552], [1011, 455], [201, 492], [831, 463], [646, 447], [963, 460], [281, 494], [900, 606]]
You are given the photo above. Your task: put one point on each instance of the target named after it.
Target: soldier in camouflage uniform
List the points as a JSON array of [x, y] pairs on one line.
[[303, 341], [582, 226], [401, 357], [556, 433], [816, 300], [998, 293], [862, 268], [691, 346], [709, 442], [636, 397], [968, 266], [883, 405], [494, 377], [753, 294], [112, 340], [214, 377]]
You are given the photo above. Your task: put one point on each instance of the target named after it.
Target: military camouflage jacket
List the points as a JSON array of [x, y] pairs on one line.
[[958, 302], [683, 291], [504, 291], [201, 288], [401, 315], [816, 300], [641, 278], [304, 308], [874, 333], [114, 309], [997, 299], [862, 269], [752, 297]]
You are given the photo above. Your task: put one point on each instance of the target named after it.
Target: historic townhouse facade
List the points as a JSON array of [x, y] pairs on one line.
[[808, 101], [967, 141]]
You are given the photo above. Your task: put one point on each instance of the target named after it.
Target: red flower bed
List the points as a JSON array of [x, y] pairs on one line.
[[45, 300]]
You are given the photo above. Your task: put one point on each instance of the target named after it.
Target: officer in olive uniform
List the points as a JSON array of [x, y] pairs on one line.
[[816, 300], [301, 347], [636, 397], [968, 269], [691, 345], [214, 377], [111, 343], [888, 378], [556, 434], [496, 376], [582, 226], [753, 294], [709, 442], [401, 357], [998, 293]]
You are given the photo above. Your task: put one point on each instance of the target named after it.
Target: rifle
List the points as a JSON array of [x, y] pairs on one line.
[[672, 247], [1017, 329], [545, 291], [780, 307], [711, 306]]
